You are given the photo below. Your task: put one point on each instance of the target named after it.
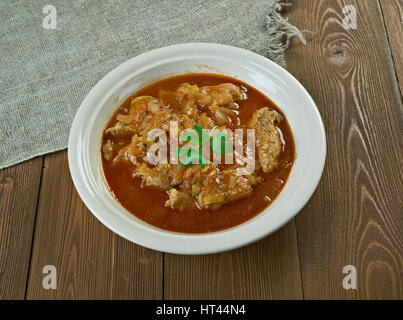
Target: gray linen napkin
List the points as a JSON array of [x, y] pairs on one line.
[[45, 73]]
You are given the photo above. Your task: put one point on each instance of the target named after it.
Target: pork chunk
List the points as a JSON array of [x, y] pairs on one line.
[[221, 100], [267, 138], [141, 116], [107, 149], [159, 177], [121, 128], [224, 187], [132, 152], [223, 94], [179, 200]]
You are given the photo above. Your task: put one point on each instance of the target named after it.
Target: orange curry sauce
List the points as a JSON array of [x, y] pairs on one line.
[[147, 203]]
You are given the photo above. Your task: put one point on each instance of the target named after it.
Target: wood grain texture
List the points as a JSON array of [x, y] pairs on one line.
[[19, 189], [354, 217], [355, 214], [91, 261], [268, 269], [393, 18]]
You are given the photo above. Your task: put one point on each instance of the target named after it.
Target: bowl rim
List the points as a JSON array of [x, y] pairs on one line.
[[167, 238]]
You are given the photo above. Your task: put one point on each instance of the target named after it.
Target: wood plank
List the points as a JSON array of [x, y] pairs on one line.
[[19, 190], [91, 261], [268, 269], [393, 18], [355, 215]]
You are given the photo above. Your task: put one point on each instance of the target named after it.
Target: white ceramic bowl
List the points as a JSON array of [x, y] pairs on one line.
[[275, 82]]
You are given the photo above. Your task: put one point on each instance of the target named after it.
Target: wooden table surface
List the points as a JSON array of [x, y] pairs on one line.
[[354, 218]]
